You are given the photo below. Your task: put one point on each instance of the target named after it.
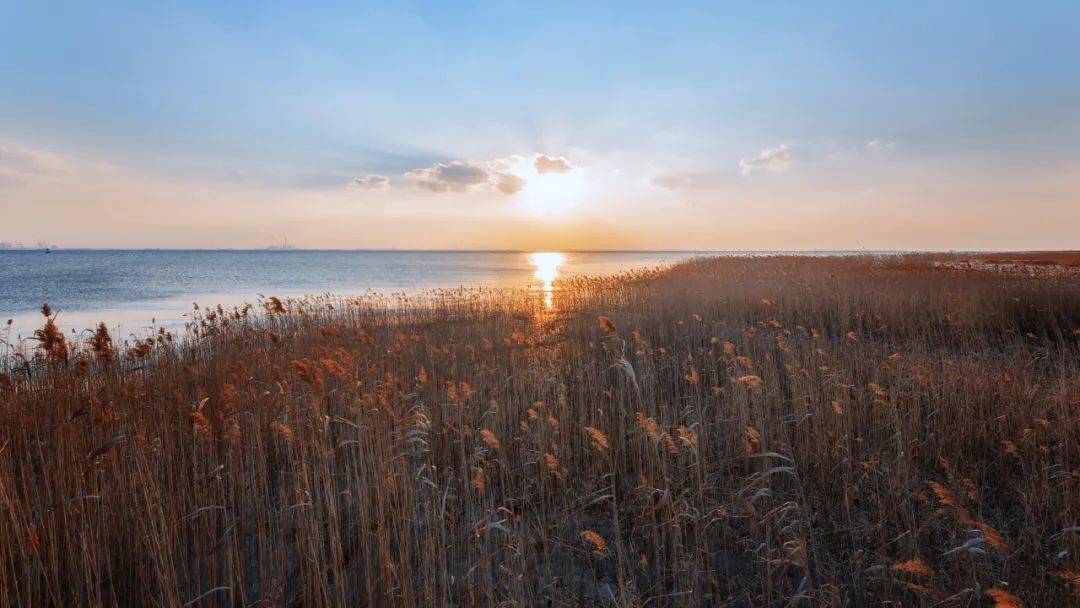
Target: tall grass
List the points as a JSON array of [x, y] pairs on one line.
[[742, 432]]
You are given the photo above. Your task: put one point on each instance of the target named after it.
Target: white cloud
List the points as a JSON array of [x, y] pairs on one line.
[[878, 145], [550, 164], [769, 159], [456, 176], [506, 176], [370, 182], [495, 176]]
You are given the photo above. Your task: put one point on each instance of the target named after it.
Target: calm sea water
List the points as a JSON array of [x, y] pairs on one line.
[[132, 290]]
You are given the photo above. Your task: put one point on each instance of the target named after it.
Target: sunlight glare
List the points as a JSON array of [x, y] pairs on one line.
[[554, 195], [547, 265]]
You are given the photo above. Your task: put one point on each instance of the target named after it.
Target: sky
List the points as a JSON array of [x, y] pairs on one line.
[[551, 125]]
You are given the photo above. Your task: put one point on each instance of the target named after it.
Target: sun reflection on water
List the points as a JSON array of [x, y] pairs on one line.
[[547, 265]]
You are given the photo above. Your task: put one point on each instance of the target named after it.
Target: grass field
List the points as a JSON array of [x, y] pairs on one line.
[[777, 431]]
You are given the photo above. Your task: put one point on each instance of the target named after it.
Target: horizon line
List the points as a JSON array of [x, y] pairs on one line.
[[567, 250]]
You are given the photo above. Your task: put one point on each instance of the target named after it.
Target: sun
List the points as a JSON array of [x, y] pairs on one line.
[[553, 195]]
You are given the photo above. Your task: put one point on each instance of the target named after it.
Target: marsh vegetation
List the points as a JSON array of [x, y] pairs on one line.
[[778, 431]]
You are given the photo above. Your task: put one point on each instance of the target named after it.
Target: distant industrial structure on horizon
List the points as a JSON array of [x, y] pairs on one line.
[[40, 245], [284, 246]]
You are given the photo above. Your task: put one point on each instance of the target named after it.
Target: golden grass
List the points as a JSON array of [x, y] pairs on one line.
[[744, 432]]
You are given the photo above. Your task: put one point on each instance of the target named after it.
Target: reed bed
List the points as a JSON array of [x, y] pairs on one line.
[[779, 431]]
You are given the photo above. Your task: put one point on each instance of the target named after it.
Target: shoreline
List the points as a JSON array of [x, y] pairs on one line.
[[135, 291], [141, 317]]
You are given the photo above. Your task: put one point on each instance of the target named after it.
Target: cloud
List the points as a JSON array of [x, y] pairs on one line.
[[370, 182], [18, 166], [460, 176], [34, 168], [878, 145], [456, 176], [690, 181], [683, 181], [508, 183], [498, 176], [55, 196], [30, 160], [549, 164], [769, 159]]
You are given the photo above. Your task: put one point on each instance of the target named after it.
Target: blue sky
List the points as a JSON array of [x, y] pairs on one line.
[[275, 108]]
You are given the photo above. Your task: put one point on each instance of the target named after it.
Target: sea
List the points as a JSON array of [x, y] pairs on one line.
[[137, 291]]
